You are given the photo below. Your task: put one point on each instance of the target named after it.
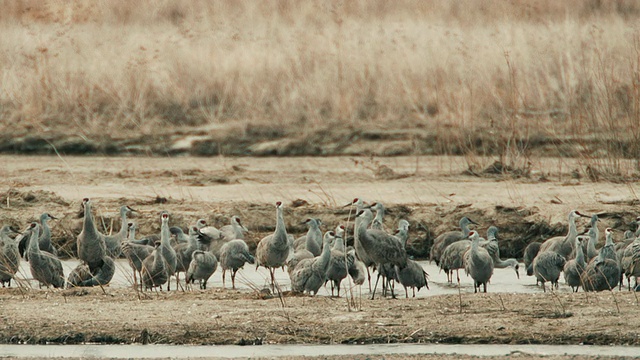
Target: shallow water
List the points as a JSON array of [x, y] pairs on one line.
[[502, 281], [231, 351]]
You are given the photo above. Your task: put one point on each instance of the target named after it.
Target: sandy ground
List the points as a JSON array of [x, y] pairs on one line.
[[215, 188]]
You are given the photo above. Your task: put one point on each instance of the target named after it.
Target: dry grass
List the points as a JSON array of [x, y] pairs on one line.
[[520, 72]]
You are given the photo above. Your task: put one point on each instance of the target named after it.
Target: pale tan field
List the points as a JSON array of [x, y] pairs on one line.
[[508, 78]]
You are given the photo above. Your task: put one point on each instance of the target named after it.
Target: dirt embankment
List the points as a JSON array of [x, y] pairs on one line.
[[219, 316]]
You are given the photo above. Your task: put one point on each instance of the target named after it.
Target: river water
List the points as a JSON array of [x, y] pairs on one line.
[[274, 351], [502, 281]]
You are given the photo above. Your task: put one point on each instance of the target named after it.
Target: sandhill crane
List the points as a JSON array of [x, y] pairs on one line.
[[233, 256], [603, 272], [478, 263], [563, 245], [168, 253], [589, 249], [178, 234], [154, 270], [44, 239], [82, 277], [312, 241], [378, 220], [184, 252], [443, 240], [493, 249], [203, 264], [547, 266], [310, 274], [630, 261], [9, 256], [574, 268], [339, 264], [235, 230], [530, 253], [90, 242], [45, 267], [131, 238], [381, 247], [273, 250], [209, 230], [453, 258], [357, 271], [135, 254], [113, 242]]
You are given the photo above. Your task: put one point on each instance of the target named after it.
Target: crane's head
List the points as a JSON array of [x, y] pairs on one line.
[[279, 204], [165, 216], [201, 223]]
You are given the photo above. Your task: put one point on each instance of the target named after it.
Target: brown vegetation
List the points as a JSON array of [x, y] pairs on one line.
[[496, 77]]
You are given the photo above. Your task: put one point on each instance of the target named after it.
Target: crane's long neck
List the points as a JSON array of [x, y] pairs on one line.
[[593, 239], [361, 229], [280, 234], [580, 259], [46, 231], [165, 235], [403, 235], [237, 229], [132, 233], [323, 261], [34, 246], [339, 244], [465, 229], [88, 225], [379, 215], [573, 231], [123, 218]]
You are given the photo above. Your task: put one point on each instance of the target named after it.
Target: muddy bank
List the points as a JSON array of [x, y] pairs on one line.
[[216, 316], [237, 139], [517, 226]]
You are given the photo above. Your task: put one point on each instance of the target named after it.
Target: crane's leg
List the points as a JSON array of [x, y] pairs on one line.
[[374, 288], [233, 279], [273, 279], [337, 287], [223, 273], [458, 276], [485, 287], [369, 278]]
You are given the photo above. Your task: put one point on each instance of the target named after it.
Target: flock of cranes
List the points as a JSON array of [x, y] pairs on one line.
[[314, 259]]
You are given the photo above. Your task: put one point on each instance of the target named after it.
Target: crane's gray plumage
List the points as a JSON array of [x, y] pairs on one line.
[[357, 271], [273, 250], [311, 274], [9, 256], [44, 239], [478, 263], [312, 241], [184, 252], [574, 268], [179, 235], [443, 240], [381, 247], [203, 264], [453, 258], [168, 253], [90, 242], [113, 243], [233, 256], [339, 264], [378, 220], [603, 272], [154, 270], [82, 277], [135, 254], [530, 253], [235, 230], [547, 266], [361, 253], [563, 245], [493, 249], [45, 267], [589, 248]]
